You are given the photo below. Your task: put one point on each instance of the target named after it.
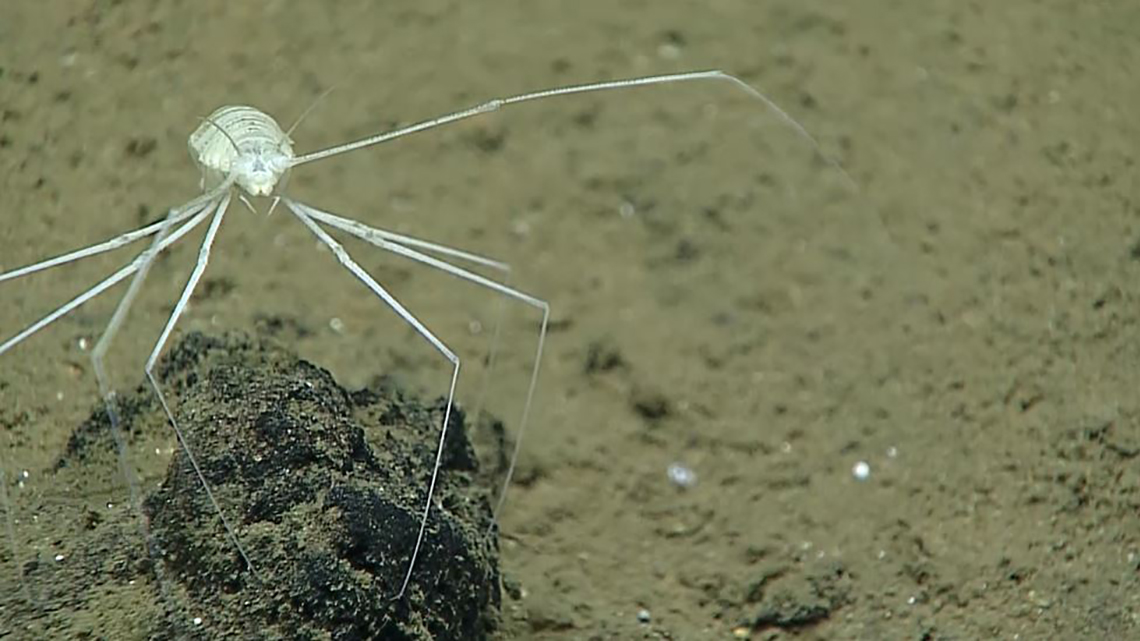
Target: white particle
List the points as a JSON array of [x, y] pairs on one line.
[[681, 476], [336, 325], [83, 344], [861, 471], [626, 209], [58, 558], [643, 615], [197, 620], [892, 452]]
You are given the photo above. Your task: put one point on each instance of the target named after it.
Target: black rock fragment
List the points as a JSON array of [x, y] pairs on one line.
[[324, 488]]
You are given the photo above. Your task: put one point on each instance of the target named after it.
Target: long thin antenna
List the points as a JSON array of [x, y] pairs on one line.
[[233, 143], [499, 103], [308, 110]]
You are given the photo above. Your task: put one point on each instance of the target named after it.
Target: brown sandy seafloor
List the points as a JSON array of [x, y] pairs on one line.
[[963, 323]]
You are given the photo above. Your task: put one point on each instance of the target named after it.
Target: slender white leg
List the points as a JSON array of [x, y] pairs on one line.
[[179, 308], [351, 265], [491, 362], [377, 238], [197, 210], [210, 200], [10, 530], [103, 285], [105, 246]]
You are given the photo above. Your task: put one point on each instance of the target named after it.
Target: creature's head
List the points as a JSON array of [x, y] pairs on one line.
[[258, 169]]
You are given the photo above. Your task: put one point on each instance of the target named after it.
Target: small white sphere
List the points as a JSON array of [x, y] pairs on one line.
[[681, 476]]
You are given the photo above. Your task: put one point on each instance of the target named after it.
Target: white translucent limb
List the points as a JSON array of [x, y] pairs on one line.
[[10, 530], [113, 280], [210, 201], [179, 308], [356, 270], [102, 286], [192, 281], [490, 363], [199, 210], [106, 246], [498, 103], [106, 392], [373, 236]]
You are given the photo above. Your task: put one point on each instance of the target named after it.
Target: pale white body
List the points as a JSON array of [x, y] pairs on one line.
[[243, 142], [241, 147]]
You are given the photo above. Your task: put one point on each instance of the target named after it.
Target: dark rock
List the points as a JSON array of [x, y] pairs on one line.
[[324, 489], [799, 600]]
